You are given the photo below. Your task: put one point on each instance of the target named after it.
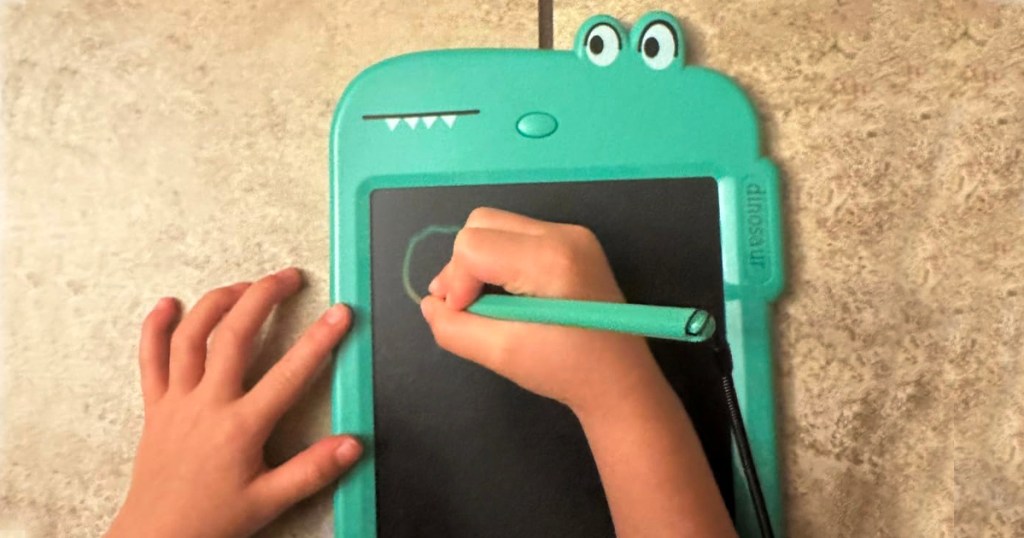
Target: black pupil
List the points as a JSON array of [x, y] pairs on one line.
[[651, 47], [596, 44]]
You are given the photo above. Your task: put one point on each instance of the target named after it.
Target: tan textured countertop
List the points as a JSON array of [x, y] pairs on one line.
[[153, 148]]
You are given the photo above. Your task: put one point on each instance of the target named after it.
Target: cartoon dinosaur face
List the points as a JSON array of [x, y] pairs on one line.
[[617, 99]]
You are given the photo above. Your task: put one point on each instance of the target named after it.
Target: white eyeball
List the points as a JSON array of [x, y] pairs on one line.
[[658, 45], [602, 44]]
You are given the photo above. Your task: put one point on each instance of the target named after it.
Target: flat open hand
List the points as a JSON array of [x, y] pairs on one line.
[[200, 469]]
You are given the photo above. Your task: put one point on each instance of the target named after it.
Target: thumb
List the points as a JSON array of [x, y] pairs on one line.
[[307, 472], [479, 339]]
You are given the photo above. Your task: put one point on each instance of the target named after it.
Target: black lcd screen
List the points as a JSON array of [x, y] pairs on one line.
[[462, 452]]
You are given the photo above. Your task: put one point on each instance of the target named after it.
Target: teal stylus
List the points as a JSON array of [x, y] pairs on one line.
[[666, 322]]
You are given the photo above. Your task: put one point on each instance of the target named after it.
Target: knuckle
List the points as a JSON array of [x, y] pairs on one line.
[[217, 297], [480, 215], [580, 238], [464, 241], [559, 259], [318, 473], [286, 377], [563, 267], [182, 342], [236, 426], [229, 336], [319, 336]]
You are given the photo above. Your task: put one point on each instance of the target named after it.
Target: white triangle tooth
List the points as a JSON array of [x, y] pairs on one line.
[[428, 121], [411, 121], [392, 123], [449, 119]]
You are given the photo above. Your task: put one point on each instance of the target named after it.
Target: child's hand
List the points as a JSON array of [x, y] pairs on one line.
[[578, 367], [655, 476], [199, 470]]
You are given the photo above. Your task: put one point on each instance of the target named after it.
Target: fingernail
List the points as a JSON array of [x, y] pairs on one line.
[[348, 450], [335, 314], [289, 272], [164, 302], [433, 286]]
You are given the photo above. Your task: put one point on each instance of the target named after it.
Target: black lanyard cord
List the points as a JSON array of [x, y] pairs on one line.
[[739, 433]]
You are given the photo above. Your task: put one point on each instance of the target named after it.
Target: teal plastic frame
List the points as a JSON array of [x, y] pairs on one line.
[[443, 118]]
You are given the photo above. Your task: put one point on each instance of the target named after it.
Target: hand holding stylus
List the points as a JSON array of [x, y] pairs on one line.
[[580, 368], [653, 469]]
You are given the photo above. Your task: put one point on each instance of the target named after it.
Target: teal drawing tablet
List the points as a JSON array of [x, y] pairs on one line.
[[660, 159]]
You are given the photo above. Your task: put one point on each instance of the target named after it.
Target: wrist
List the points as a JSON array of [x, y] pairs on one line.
[[639, 385]]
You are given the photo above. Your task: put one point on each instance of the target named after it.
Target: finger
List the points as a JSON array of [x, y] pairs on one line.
[[306, 473], [461, 287], [155, 348], [439, 285], [482, 340], [499, 219], [284, 383], [520, 263], [232, 343], [188, 343]]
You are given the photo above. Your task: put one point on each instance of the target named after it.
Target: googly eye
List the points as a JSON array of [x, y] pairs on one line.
[[602, 44], [658, 45]]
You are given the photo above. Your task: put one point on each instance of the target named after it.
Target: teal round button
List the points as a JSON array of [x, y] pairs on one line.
[[536, 125]]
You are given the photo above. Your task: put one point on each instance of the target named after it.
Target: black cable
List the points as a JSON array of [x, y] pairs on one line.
[[739, 433], [545, 24]]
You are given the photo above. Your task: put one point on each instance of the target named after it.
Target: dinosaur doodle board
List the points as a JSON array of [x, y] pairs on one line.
[[659, 158]]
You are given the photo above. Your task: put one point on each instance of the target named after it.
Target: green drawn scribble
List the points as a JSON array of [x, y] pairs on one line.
[[407, 262]]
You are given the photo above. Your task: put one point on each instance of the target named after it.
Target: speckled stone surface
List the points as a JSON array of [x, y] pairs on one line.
[[164, 148]]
